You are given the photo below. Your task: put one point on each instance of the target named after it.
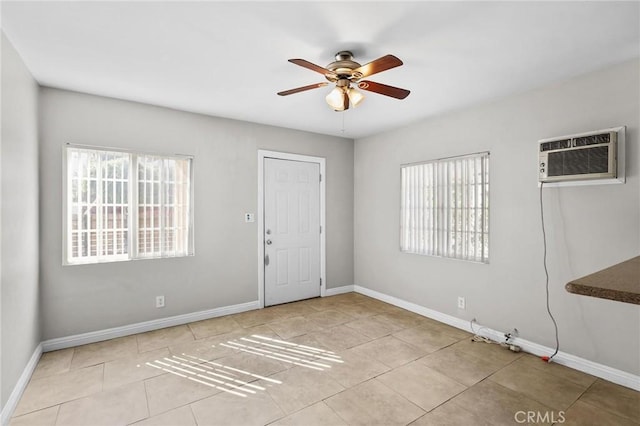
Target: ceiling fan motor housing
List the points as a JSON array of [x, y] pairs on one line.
[[343, 67]]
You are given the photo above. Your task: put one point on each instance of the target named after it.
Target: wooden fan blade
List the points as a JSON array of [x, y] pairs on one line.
[[383, 89], [312, 67], [381, 64], [302, 89]]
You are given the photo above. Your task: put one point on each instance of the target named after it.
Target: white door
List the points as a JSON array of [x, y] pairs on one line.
[[291, 230]]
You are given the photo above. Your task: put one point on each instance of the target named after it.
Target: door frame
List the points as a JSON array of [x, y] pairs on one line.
[[262, 155]]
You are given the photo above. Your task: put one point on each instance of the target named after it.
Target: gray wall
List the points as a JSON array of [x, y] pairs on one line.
[[589, 227], [224, 271], [20, 329]]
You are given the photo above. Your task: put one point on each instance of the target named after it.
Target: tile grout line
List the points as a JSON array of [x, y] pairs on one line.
[[193, 415], [146, 394], [601, 408], [401, 396], [533, 397], [103, 376], [488, 378], [57, 414]]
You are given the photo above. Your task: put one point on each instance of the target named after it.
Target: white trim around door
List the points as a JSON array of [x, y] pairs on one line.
[[262, 154]]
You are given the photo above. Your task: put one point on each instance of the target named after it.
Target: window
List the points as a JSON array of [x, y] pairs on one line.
[[123, 205], [445, 208]]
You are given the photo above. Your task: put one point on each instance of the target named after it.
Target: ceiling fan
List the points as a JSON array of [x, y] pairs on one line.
[[344, 72]]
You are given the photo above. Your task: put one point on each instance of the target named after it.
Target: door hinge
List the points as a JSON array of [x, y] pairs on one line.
[[320, 178], [320, 282], [321, 229]]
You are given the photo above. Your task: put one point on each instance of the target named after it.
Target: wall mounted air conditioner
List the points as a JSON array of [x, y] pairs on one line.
[[584, 158]]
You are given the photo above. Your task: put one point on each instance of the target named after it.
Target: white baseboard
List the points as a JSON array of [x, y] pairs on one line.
[[21, 385], [595, 369], [338, 290], [141, 327], [430, 313]]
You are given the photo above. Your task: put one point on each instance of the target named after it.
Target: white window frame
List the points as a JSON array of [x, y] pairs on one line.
[[426, 222], [133, 228]]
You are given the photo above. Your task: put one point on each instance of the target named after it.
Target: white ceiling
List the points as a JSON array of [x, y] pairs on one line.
[[229, 59]]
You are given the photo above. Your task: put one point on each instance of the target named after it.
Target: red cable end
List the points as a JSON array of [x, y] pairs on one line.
[[545, 358]]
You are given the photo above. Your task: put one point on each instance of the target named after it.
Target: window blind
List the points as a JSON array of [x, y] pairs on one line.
[[445, 208]]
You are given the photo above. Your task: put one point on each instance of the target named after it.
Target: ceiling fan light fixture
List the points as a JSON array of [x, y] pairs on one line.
[[335, 99], [355, 96]]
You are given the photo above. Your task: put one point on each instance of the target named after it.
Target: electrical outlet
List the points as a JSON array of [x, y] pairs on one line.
[[159, 301], [461, 302], [249, 217], [511, 335]]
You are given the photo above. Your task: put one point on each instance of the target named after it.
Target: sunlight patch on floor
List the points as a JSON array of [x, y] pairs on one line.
[[237, 381]]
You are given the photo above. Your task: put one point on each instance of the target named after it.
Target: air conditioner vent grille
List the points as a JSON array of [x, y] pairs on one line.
[[592, 139], [579, 162], [553, 145]]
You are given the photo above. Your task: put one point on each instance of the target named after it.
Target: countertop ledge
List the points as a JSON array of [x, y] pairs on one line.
[[619, 282]]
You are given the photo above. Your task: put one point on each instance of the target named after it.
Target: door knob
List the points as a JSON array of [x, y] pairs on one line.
[[268, 231], [268, 242]]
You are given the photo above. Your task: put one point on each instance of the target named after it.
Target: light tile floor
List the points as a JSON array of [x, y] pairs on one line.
[[341, 360]]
